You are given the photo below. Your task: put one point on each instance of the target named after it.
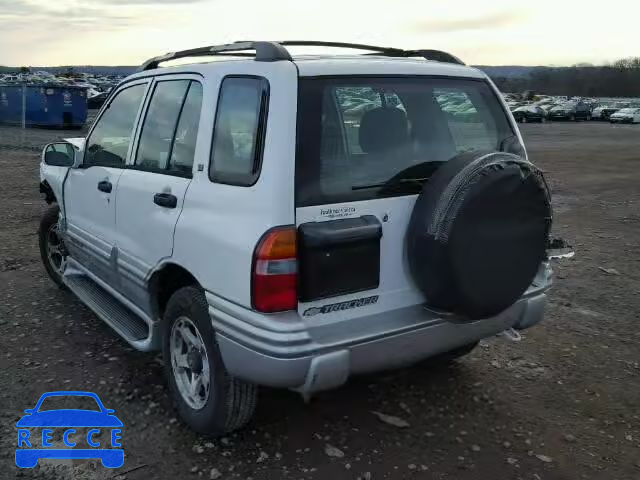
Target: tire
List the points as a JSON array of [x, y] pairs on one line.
[[48, 224], [230, 402], [470, 248], [524, 119]]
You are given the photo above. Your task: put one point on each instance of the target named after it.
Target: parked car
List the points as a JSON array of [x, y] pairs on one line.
[[529, 113], [97, 100], [573, 111], [270, 239], [603, 113], [626, 115]]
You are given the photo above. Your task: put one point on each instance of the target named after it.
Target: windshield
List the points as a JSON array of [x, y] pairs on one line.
[[357, 134], [627, 110], [65, 402]]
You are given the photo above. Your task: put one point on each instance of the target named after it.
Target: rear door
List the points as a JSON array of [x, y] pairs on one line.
[[151, 190], [365, 148]]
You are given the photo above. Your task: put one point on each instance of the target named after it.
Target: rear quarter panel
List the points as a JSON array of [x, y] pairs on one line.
[[220, 224]]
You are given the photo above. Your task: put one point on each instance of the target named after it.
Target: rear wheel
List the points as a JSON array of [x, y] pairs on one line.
[[52, 249], [207, 397]]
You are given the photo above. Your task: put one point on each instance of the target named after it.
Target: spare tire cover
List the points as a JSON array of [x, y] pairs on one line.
[[478, 233]]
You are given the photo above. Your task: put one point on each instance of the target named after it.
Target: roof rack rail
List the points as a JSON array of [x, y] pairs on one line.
[[436, 55], [265, 52], [275, 51]]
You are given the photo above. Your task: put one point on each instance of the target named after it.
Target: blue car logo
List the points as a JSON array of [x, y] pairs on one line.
[[31, 448]]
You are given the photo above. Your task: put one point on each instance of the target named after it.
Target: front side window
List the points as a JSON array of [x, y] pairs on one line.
[[239, 130], [366, 138], [109, 141]]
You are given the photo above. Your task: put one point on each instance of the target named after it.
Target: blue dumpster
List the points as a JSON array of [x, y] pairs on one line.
[[51, 106]]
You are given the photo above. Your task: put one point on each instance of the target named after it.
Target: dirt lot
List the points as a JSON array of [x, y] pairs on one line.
[[562, 404]]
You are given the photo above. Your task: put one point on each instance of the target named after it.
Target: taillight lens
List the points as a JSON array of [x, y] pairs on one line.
[[274, 276]]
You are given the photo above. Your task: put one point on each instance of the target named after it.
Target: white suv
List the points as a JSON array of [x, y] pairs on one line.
[[291, 222]]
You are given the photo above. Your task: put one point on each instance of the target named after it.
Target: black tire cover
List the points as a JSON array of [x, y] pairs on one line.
[[478, 233]]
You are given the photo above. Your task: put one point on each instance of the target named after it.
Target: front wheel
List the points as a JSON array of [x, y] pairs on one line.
[[207, 397], [52, 250]]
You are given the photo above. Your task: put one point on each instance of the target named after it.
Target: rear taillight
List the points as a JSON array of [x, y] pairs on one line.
[[274, 275]]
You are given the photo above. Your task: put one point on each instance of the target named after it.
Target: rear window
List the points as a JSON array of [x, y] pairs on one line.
[[365, 138]]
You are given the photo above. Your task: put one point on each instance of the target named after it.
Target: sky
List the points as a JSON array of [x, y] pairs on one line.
[[487, 32]]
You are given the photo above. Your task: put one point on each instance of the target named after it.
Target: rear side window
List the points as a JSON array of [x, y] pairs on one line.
[[365, 138], [238, 136], [170, 128], [108, 144]]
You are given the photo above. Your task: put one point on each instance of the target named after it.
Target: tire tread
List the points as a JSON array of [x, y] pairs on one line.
[[239, 398], [49, 217]]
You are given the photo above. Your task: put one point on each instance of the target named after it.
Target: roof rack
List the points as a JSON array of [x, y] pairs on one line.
[[436, 55], [275, 51]]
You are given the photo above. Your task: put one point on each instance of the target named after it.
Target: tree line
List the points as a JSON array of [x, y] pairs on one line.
[[619, 79]]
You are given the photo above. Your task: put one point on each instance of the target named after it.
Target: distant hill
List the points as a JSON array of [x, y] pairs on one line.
[[93, 69], [507, 71]]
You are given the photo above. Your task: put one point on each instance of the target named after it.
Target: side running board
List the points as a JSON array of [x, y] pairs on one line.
[[140, 333]]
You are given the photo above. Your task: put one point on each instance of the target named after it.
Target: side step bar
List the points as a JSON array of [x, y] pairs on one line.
[[140, 332]]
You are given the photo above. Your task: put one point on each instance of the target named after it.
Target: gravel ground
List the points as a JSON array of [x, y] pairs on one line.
[[561, 404]]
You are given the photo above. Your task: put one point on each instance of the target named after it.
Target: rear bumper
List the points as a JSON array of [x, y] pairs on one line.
[[286, 352]]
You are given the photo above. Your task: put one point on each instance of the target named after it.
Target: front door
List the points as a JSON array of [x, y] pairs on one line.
[[151, 190], [89, 191]]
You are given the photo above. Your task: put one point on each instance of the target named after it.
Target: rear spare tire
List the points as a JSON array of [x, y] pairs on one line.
[[478, 233]]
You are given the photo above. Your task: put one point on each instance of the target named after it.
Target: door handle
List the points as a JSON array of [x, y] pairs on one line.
[[165, 200], [105, 186]]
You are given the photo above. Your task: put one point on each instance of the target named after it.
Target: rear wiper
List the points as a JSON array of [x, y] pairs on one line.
[[391, 183]]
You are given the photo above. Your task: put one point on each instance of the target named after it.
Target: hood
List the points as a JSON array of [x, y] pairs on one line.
[[69, 418], [77, 142]]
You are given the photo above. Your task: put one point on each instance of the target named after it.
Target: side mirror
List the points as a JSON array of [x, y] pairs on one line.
[[61, 154]]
